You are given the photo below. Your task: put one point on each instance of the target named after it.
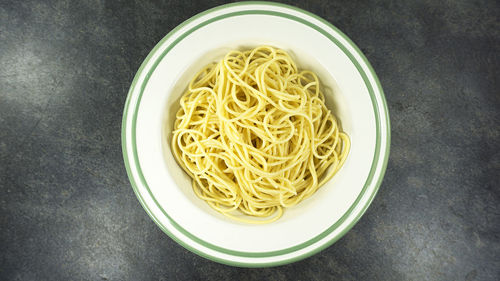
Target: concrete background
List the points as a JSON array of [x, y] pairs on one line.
[[67, 211]]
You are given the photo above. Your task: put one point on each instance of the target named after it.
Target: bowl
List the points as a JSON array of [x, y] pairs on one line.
[[352, 91]]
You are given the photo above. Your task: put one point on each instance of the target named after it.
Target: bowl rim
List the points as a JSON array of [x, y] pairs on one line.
[[370, 178]]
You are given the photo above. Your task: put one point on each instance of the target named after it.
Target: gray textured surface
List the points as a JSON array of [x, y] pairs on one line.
[[67, 211]]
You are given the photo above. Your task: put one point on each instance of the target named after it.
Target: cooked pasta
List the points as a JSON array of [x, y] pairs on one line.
[[254, 134]]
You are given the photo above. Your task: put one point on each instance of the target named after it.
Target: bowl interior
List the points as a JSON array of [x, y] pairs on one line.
[[346, 95]]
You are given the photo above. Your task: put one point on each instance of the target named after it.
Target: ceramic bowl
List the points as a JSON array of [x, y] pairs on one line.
[[352, 91]]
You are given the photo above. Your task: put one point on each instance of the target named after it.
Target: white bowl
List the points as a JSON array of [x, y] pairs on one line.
[[351, 88]]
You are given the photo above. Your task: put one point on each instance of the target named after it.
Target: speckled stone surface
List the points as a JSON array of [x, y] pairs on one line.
[[67, 211]]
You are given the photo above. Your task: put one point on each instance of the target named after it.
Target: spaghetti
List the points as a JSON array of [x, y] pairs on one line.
[[255, 135]]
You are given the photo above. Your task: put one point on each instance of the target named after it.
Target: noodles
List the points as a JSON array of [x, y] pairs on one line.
[[255, 135]]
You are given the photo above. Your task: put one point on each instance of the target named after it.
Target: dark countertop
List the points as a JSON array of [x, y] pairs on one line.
[[67, 211]]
